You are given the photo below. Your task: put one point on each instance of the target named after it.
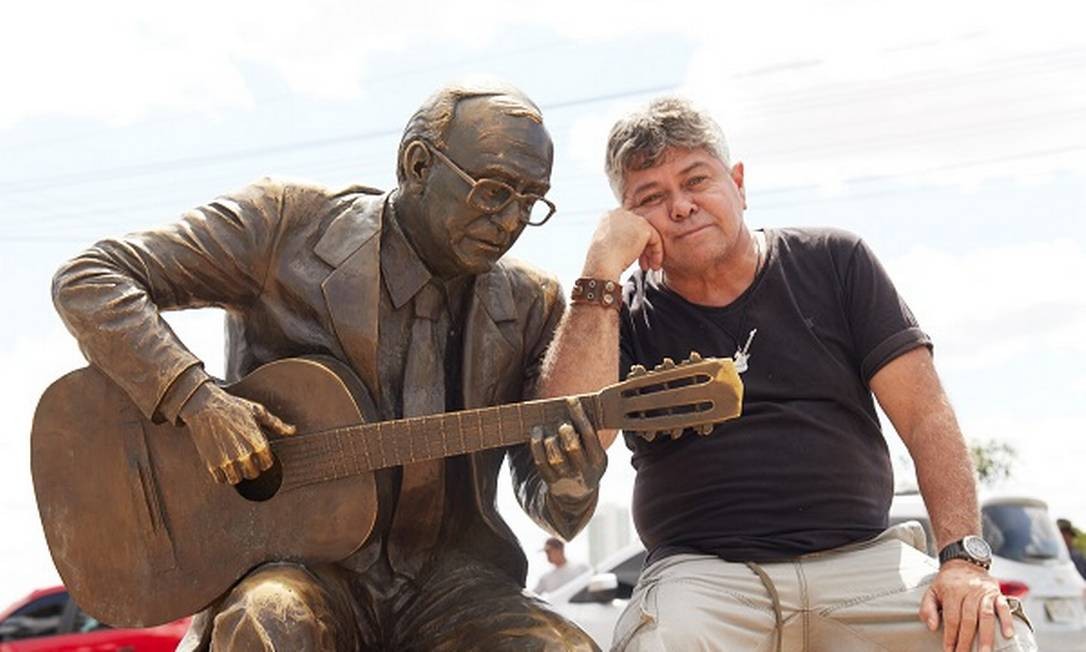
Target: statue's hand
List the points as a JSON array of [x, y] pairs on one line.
[[572, 460], [227, 432]]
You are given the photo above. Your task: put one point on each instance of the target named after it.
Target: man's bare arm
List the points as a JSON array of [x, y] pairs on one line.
[[964, 595], [909, 391], [584, 354]]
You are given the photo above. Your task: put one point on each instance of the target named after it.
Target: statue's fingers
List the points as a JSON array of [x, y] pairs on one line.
[[589, 437], [265, 418], [555, 458], [230, 470], [217, 474], [248, 467], [571, 446], [264, 458], [539, 454]]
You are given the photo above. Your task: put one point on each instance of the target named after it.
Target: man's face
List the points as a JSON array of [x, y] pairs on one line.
[[694, 201], [554, 555], [485, 143]]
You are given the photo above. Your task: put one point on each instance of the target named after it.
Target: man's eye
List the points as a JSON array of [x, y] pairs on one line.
[[649, 200], [694, 182]]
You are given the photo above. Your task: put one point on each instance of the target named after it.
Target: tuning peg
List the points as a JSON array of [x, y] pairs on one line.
[[694, 357], [637, 370], [704, 429], [676, 433], [647, 435], [668, 363]]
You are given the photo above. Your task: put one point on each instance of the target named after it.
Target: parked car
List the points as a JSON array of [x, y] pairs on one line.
[[48, 619], [595, 601], [1030, 561]]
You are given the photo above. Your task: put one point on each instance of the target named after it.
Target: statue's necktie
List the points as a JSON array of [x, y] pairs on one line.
[[417, 520]]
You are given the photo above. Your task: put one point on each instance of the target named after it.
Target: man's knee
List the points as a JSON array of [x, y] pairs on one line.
[[279, 607]]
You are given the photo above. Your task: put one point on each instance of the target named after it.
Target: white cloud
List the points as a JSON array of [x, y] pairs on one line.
[[986, 306]]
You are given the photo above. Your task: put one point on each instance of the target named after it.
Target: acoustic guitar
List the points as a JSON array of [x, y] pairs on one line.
[[141, 534]]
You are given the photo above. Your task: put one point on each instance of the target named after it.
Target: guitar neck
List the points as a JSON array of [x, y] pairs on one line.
[[362, 448]]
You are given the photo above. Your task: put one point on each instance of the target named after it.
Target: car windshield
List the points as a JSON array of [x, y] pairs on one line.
[[1022, 532]]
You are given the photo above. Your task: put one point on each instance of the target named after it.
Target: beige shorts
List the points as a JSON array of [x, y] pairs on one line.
[[859, 598]]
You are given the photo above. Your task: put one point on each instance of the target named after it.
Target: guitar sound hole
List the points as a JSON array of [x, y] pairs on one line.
[[265, 486]]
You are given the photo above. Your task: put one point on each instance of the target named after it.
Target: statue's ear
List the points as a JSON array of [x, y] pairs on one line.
[[416, 162]]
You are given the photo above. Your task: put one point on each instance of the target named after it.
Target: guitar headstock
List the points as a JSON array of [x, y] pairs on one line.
[[695, 393]]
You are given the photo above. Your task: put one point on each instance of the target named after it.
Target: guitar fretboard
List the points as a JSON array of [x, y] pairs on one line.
[[342, 452]]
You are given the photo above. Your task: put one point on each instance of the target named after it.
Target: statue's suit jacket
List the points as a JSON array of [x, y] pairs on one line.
[[297, 269]]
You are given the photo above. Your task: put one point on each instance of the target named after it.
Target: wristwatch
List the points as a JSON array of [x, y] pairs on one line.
[[972, 549]]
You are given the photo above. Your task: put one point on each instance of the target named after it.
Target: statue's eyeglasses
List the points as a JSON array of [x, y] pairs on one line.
[[492, 195]]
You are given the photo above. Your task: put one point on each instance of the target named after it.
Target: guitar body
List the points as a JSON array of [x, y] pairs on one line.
[[140, 532]]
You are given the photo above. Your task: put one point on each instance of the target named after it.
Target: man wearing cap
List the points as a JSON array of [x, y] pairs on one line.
[[564, 570]]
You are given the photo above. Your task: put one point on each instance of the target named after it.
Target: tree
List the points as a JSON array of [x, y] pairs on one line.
[[993, 460]]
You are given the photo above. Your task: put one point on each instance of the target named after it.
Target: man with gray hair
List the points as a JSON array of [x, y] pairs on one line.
[[410, 289], [772, 531]]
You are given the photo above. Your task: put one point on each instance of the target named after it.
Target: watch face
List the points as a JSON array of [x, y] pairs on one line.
[[977, 548]]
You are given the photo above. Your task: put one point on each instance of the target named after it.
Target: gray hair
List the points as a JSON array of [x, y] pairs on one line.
[[639, 140], [431, 122]]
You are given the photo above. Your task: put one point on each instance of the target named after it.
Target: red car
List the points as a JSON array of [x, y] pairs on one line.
[[48, 619]]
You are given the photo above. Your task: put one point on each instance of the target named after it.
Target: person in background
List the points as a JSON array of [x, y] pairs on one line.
[[1068, 532], [564, 570]]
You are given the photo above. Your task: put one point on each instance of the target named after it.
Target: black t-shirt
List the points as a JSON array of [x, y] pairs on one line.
[[805, 468]]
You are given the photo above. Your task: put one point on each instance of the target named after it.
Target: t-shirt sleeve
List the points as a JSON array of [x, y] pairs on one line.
[[882, 325]]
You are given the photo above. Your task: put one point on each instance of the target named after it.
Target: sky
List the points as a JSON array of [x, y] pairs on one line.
[[951, 136]]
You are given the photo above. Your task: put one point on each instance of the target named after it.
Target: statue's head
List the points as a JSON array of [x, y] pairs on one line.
[[474, 164]]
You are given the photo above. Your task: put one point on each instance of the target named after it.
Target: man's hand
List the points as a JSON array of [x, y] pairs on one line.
[[571, 461], [622, 237], [227, 432], [970, 602]]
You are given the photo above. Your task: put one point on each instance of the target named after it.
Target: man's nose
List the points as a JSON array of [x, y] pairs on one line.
[[683, 207]]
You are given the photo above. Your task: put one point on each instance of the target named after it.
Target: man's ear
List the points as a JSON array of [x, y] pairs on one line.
[[416, 162], [736, 174]]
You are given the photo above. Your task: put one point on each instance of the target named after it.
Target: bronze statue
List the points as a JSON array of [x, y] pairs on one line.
[[406, 289]]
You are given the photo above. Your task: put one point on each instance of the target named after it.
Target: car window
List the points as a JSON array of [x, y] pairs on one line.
[[1023, 533], [40, 617], [84, 622]]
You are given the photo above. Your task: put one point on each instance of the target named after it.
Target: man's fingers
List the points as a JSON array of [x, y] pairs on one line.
[[539, 454], [929, 610], [655, 249], [967, 627], [1006, 618], [986, 623], [272, 422], [951, 622]]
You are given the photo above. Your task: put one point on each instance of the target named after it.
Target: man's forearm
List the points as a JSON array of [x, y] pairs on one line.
[[944, 470], [583, 357]]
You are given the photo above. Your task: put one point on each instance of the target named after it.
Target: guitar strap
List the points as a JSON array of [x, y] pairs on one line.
[[417, 521]]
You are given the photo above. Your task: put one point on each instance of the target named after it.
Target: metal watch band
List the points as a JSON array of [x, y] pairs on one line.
[[597, 292]]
